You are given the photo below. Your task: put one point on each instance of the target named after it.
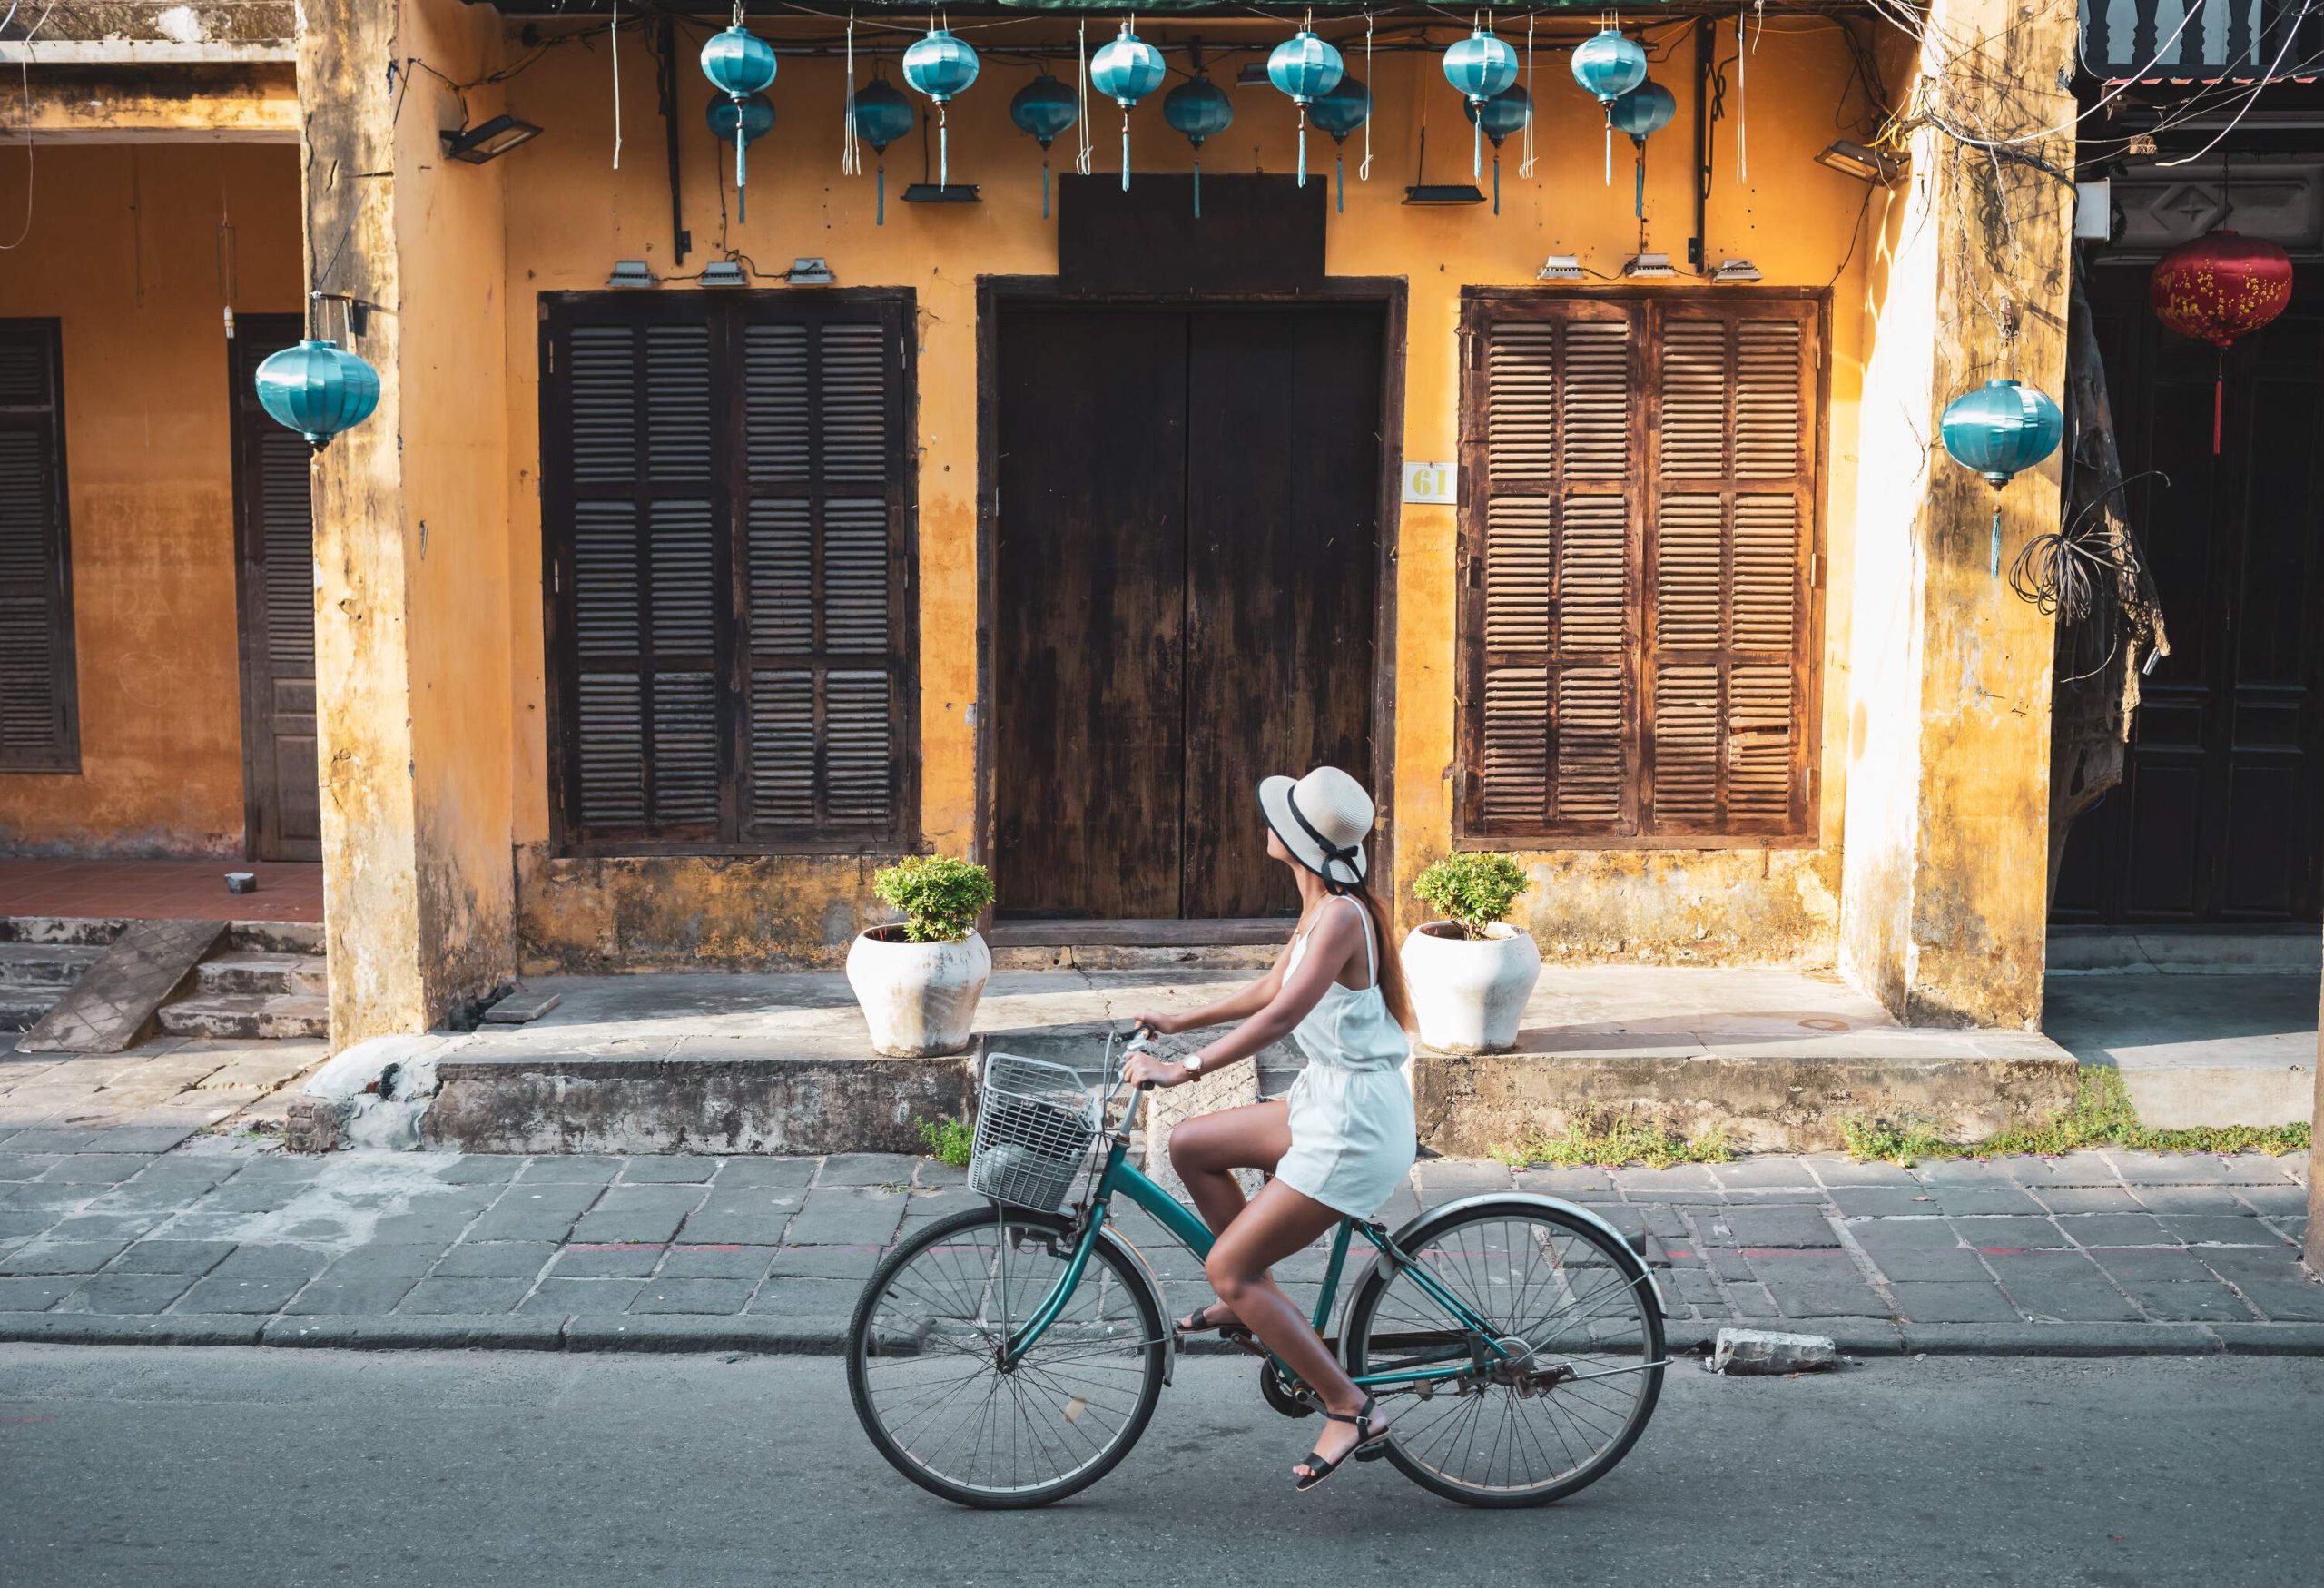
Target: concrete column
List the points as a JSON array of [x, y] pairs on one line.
[[411, 520], [2315, 1251], [1943, 891]]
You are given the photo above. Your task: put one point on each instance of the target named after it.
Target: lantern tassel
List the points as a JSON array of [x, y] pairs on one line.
[[2219, 398], [741, 204], [1477, 146], [1197, 187], [1994, 559], [1609, 145], [1045, 187], [943, 151], [1339, 171], [1124, 149], [1496, 179], [880, 188], [1638, 198], [1302, 144]]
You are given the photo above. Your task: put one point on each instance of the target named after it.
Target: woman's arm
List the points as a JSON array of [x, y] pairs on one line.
[[1330, 943], [1240, 1004]]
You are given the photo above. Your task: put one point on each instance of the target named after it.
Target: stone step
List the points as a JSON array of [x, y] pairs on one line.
[[247, 1015], [255, 971], [87, 930], [22, 1007], [276, 937], [1135, 957], [40, 965]]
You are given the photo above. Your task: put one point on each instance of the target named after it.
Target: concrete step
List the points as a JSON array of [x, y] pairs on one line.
[[1137, 945], [276, 937], [87, 930], [22, 1007], [247, 1015], [45, 966], [253, 971]]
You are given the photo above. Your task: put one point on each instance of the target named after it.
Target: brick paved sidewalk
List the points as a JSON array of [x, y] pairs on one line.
[[138, 1235]]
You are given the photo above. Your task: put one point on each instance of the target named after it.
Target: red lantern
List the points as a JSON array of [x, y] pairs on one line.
[[2218, 288]]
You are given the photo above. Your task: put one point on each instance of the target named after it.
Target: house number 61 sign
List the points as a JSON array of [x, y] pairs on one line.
[[1432, 482]]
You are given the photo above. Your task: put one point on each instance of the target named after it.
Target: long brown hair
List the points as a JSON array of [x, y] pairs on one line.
[[1392, 964]]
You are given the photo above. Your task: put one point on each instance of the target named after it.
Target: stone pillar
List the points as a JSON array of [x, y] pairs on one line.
[[2315, 1250], [1943, 901], [411, 520]]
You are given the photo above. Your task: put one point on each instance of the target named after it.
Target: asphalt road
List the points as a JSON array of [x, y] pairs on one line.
[[232, 1466]]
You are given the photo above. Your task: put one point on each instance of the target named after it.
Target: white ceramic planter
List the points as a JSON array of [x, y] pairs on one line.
[[1469, 994], [920, 998]]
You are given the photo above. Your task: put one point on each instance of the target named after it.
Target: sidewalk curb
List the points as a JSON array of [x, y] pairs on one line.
[[788, 1337]]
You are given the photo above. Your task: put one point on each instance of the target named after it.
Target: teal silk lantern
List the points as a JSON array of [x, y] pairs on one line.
[[317, 389], [1306, 68], [1505, 113], [1339, 113], [881, 114], [1480, 66], [1044, 108], [1642, 113], [941, 66], [738, 64], [1608, 66], [2000, 429], [755, 115], [1199, 108], [1125, 71]]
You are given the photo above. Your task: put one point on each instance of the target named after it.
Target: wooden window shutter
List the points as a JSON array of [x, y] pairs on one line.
[[727, 524], [1637, 533], [39, 711]]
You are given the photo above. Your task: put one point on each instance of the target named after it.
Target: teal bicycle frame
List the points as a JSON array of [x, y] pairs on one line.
[[1478, 1347]]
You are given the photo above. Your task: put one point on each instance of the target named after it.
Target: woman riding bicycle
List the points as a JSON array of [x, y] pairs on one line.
[[1342, 1140]]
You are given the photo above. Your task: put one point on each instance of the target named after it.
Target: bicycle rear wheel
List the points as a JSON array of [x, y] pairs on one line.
[[924, 1360], [1580, 1361]]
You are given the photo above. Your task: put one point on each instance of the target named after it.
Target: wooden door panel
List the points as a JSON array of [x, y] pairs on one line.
[[1283, 532], [1089, 612]]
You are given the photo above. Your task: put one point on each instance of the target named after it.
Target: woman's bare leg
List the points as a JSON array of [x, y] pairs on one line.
[[1278, 1222], [1208, 1149]]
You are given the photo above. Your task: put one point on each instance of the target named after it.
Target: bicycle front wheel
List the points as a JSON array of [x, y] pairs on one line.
[[924, 1360], [1570, 1374]]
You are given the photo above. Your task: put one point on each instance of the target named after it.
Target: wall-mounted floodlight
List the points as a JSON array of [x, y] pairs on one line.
[[488, 141], [1648, 267], [810, 273], [724, 273], [1853, 158], [1560, 267], [633, 272], [1736, 269]]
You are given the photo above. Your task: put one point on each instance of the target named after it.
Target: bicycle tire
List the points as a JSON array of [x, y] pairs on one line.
[[1111, 1261], [1625, 1275]]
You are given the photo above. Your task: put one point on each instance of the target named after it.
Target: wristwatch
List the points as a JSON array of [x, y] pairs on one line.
[[1193, 1062]]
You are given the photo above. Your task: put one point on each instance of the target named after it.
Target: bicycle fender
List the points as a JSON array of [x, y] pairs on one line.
[[1154, 1289], [1534, 1200]]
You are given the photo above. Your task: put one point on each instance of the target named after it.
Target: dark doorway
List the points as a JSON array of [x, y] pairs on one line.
[[1184, 580], [274, 536], [2220, 812]]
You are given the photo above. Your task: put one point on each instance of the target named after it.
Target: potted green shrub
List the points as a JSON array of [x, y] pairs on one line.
[[1471, 971], [918, 980]]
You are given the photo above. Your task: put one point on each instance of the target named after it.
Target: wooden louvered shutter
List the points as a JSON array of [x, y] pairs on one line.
[[39, 726], [1637, 529], [726, 504], [645, 572], [1730, 514], [825, 571]]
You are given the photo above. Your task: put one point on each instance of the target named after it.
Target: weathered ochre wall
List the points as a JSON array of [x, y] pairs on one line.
[[123, 247], [1944, 894], [411, 537], [571, 215]]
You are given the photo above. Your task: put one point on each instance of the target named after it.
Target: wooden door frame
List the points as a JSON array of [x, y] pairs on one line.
[[996, 293], [258, 708]]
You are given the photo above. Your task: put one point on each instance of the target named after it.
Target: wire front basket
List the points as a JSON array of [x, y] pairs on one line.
[[1035, 1121]]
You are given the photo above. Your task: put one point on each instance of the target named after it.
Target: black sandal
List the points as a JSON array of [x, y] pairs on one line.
[[1197, 1322], [1365, 1449]]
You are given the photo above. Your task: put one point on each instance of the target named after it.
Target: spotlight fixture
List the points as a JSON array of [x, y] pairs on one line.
[[810, 273], [1444, 192], [633, 272], [1853, 158], [1648, 267], [724, 273], [490, 141], [1560, 267], [1736, 269]]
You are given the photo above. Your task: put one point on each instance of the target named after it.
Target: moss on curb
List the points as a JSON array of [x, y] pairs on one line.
[[2102, 1116]]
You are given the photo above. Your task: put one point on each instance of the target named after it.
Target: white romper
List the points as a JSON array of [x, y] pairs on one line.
[[1352, 1135]]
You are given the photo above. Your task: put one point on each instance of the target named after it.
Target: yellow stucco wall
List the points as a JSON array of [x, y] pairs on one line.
[[124, 249], [570, 214]]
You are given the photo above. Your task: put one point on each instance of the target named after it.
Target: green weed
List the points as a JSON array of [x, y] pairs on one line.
[[953, 1141], [2102, 1115], [1597, 1142]]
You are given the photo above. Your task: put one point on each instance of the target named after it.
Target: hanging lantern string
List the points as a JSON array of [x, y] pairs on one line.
[[1081, 122], [1364, 171], [613, 55], [851, 151], [1525, 165]]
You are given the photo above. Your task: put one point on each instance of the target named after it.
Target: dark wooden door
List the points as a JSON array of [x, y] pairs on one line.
[[2220, 815], [1184, 581], [274, 536]]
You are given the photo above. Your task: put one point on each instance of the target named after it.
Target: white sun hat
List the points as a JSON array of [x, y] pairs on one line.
[[1323, 818]]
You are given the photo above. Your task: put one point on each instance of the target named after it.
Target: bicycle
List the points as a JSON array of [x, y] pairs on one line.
[[1011, 1356]]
